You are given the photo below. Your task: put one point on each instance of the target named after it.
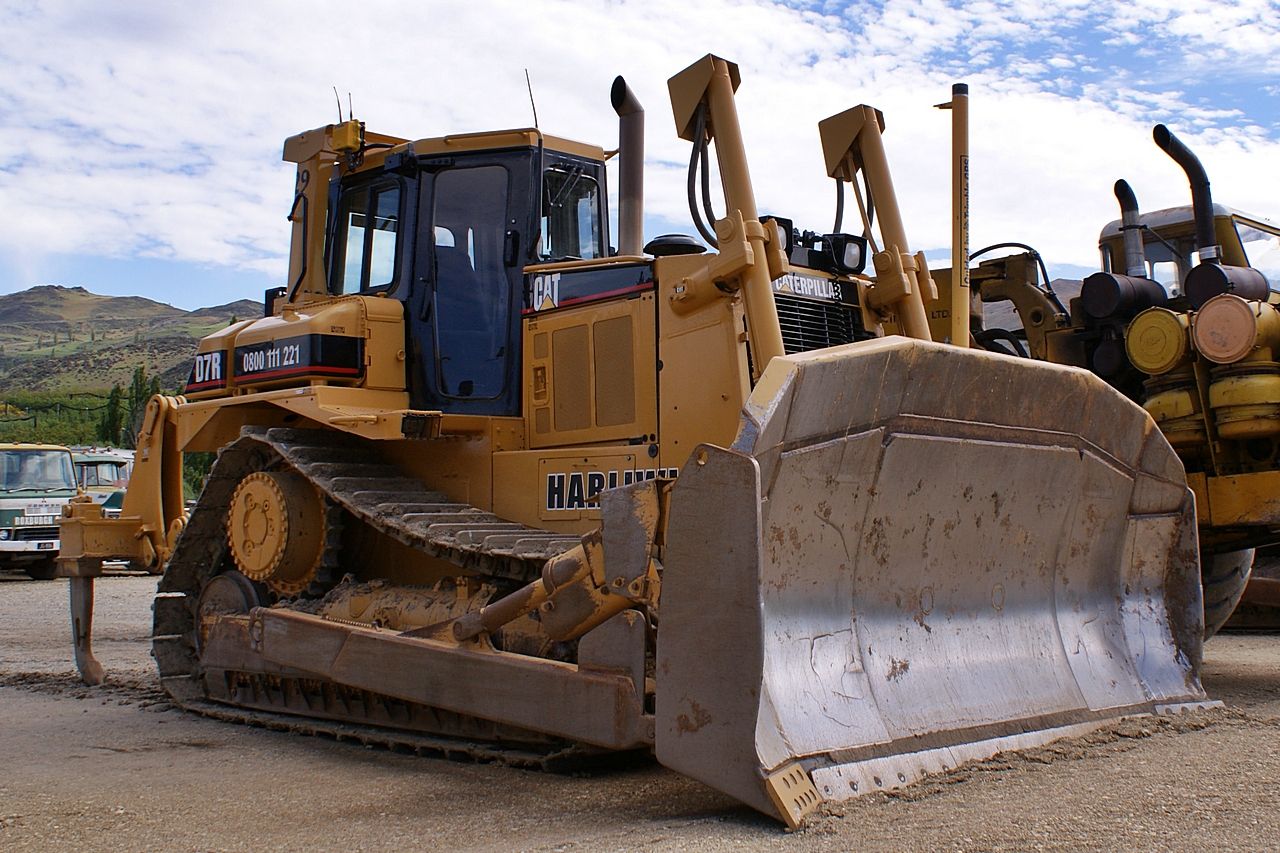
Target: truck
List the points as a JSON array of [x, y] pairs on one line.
[[103, 473], [36, 482]]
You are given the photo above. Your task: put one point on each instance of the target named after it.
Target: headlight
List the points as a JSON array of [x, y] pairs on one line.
[[4, 534]]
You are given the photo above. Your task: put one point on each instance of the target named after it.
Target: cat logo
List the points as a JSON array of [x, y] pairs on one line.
[[546, 291], [804, 285]]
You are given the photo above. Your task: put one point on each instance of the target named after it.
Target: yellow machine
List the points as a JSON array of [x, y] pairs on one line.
[[485, 486], [1184, 319]]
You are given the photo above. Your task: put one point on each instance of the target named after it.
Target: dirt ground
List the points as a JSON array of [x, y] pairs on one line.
[[117, 768]]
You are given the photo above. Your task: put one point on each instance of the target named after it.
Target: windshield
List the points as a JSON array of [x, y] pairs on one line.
[[570, 222], [101, 473], [35, 471], [1262, 250]]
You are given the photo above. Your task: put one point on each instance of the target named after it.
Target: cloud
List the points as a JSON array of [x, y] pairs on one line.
[[155, 131]]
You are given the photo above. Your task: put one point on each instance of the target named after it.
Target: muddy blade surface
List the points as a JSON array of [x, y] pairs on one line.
[[914, 556]]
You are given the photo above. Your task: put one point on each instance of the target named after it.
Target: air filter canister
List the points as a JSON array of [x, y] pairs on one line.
[[1229, 328], [1208, 280], [1157, 341], [1105, 295]]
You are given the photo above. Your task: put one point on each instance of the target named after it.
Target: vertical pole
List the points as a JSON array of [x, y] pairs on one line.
[[960, 215], [763, 328]]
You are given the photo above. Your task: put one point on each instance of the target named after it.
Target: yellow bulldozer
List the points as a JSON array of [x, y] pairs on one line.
[[487, 487], [1184, 319]]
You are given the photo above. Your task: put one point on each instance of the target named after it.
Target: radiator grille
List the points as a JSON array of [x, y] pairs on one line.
[[33, 534], [809, 324]]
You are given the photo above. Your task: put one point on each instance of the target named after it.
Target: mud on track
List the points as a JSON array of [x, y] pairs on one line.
[[117, 768]]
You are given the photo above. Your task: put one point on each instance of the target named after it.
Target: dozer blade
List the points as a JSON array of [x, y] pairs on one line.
[[914, 556]]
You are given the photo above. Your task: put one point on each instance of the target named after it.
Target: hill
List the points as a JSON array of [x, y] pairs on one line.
[[66, 339]]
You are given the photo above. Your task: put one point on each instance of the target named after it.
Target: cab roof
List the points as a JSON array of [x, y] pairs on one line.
[[101, 454], [1174, 216], [525, 137], [378, 146]]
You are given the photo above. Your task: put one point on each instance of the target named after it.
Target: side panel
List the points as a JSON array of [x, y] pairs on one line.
[[559, 489], [591, 374], [703, 379]]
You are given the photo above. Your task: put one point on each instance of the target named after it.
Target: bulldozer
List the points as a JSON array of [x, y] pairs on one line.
[[1182, 319], [487, 487]]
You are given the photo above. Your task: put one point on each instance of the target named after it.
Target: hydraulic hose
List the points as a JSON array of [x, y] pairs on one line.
[[699, 154], [835, 229]]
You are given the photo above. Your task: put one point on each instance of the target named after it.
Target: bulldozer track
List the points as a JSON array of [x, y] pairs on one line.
[[354, 479]]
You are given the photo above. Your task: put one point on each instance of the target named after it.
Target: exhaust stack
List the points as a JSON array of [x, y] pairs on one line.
[[1201, 198], [630, 168], [1210, 277], [1110, 295], [1135, 260]]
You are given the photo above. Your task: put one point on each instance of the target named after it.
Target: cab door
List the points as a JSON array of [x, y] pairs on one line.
[[464, 311]]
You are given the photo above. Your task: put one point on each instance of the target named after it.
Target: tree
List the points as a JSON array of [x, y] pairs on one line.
[[195, 467], [141, 390], [112, 421], [137, 393]]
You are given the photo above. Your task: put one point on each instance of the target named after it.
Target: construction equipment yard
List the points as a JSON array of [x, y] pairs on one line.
[[117, 767]]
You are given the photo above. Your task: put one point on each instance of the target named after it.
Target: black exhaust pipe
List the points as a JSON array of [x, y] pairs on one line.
[[630, 168], [1210, 277], [1201, 198]]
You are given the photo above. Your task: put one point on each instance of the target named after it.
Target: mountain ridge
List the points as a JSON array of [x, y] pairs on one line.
[[66, 338]]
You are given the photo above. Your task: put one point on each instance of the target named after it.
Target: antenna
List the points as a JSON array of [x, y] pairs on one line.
[[351, 113], [339, 100], [529, 83]]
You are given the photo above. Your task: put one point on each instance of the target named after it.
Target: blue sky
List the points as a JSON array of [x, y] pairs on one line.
[[142, 149]]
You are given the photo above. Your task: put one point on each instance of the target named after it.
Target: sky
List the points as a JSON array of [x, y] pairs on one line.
[[142, 141]]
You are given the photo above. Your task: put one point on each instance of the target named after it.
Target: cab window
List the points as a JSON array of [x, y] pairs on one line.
[[100, 473], [366, 238], [1261, 249], [571, 215]]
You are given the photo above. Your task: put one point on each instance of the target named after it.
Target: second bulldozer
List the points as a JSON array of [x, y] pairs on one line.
[[485, 486], [1184, 319]]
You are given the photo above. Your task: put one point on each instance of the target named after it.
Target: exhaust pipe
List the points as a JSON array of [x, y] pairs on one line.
[[1110, 295], [1201, 199], [1135, 260], [630, 168], [1210, 277]]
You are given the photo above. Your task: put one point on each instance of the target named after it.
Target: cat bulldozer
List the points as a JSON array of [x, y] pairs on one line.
[[485, 486], [1184, 319]]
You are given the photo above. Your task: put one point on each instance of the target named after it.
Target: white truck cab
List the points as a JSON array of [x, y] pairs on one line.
[[36, 480]]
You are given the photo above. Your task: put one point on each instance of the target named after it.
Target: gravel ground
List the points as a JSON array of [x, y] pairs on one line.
[[117, 768]]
